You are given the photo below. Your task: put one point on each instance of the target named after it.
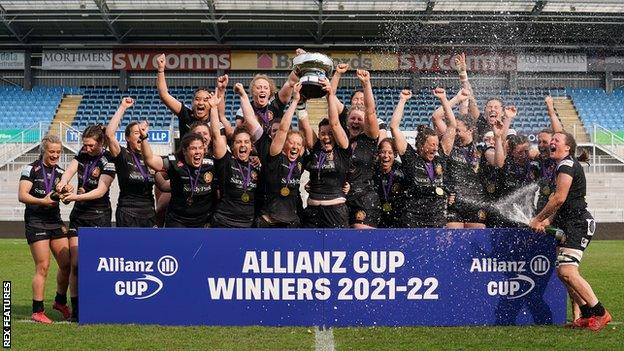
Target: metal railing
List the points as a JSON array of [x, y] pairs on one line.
[[21, 143]]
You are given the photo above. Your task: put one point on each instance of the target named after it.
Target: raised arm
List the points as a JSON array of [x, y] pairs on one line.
[[280, 136], [470, 105], [113, 124], [555, 124], [222, 83], [448, 138], [219, 143], [371, 127], [172, 103], [397, 115], [286, 90], [438, 115], [332, 102], [500, 134], [248, 113], [304, 125], [341, 69], [153, 161]]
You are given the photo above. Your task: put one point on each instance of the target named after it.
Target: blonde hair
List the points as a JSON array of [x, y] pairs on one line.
[[272, 86], [49, 139]]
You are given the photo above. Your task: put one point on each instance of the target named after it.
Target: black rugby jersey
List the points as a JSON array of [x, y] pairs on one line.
[[239, 181], [576, 195], [391, 189], [462, 176], [515, 175], [136, 181], [42, 216], [95, 166], [362, 167], [265, 114], [282, 188], [328, 172], [192, 190]]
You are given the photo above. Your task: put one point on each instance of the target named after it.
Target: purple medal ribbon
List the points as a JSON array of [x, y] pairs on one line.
[[263, 113], [388, 186], [291, 168], [246, 177], [48, 182], [138, 165], [89, 168], [320, 161], [192, 181], [430, 172]]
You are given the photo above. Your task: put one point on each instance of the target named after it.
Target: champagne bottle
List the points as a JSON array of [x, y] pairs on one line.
[[556, 232]]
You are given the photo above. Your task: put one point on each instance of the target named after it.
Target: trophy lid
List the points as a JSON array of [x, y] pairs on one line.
[[314, 60]]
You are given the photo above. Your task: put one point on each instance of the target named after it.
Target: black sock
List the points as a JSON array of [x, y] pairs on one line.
[[598, 310], [37, 306], [74, 303], [60, 299], [585, 311]]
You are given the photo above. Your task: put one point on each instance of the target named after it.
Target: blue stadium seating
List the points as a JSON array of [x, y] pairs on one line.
[[596, 106], [21, 108]]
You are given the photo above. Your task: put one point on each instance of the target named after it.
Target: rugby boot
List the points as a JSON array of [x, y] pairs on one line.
[[40, 317], [596, 323], [65, 311]]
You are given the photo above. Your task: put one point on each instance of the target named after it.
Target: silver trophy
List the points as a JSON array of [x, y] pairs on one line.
[[311, 68]]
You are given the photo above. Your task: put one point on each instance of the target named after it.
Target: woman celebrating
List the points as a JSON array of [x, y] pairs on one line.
[[425, 204], [566, 209], [363, 129], [239, 178], [45, 230], [191, 175], [282, 173], [135, 207], [390, 182], [328, 164]]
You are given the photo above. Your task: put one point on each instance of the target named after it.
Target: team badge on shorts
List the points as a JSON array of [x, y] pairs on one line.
[[64, 229], [360, 215], [546, 190], [396, 188], [208, 177], [482, 215], [96, 172]]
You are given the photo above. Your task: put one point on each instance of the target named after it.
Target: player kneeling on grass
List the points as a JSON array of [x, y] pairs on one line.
[[45, 230], [567, 209]]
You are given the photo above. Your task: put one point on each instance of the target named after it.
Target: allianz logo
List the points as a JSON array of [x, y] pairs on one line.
[[147, 284], [516, 286]]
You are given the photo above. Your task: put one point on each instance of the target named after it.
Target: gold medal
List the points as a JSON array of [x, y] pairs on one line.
[[491, 188], [284, 191], [386, 207], [245, 197], [482, 215], [189, 201], [439, 191], [546, 190]]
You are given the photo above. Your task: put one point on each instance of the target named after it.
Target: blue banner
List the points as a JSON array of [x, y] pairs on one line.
[[435, 277], [153, 136]]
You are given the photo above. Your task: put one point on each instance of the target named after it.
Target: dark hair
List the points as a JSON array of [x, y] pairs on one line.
[[496, 98], [186, 141], [129, 128], [355, 92], [240, 130], [323, 122], [424, 132], [200, 89], [392, 145], [515, 140], [547, 131], [467, 121], [199, 124], [98, 133], [571, 142]]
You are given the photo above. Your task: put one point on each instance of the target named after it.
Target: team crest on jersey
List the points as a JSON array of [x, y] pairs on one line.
[[396, 188], [439, 169], [208, 177], [299, 166], [96, 172], [254, 176]]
